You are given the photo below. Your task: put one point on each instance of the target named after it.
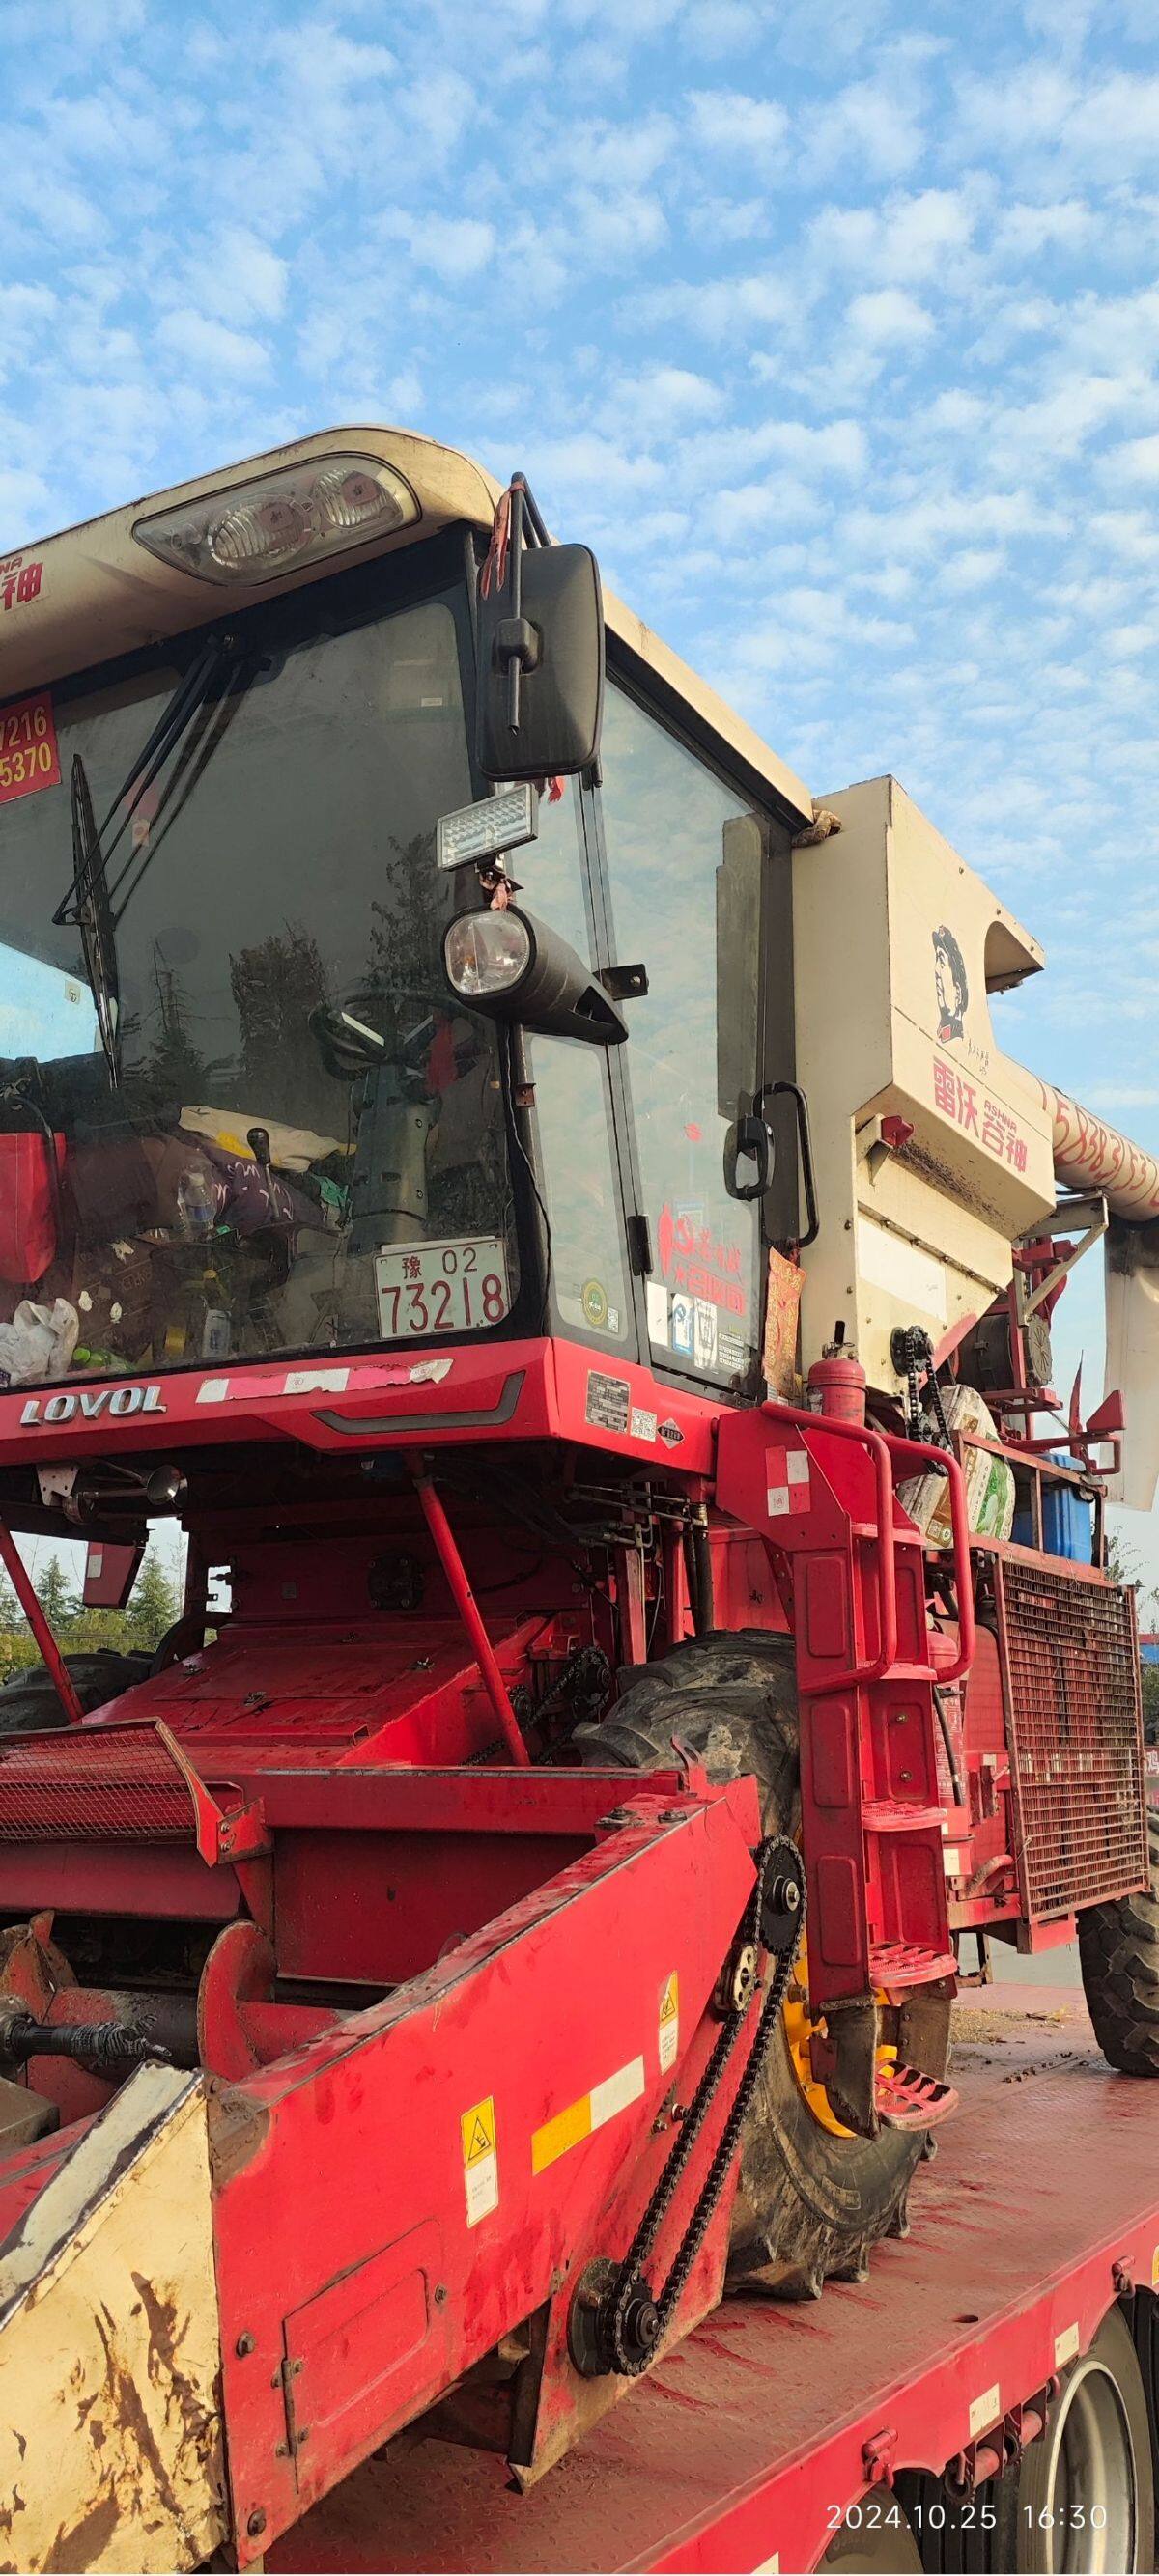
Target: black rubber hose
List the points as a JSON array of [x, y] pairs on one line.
[[104, 2045], [698, 1567]]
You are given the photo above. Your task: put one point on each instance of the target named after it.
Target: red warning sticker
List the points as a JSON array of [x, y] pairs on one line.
[[29, 758]]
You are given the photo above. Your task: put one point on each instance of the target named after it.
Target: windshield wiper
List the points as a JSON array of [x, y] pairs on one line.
[[90, 903], [186, 703], [92, 915]]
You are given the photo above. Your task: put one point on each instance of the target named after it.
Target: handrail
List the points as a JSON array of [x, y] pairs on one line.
[[947, 1465], [883, 1447], [876, 1444]]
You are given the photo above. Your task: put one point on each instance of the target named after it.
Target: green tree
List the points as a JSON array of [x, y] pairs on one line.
[[56, 1596], [1149, 1676], [154, 1604]]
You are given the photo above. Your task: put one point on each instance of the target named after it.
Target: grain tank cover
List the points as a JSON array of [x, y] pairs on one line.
[[933, 1148]]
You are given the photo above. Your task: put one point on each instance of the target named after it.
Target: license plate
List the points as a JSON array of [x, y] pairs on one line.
[[451, 1287], [29, 758]]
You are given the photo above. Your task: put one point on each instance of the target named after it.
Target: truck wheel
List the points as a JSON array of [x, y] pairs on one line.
[[812, 2197], [29, 1705], [1119, 1952], [883, 2547], [1082, 2497]]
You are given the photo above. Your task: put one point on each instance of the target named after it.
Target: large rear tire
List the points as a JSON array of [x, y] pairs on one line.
[[29, 1704], [811, 2201], [1119, 1955]]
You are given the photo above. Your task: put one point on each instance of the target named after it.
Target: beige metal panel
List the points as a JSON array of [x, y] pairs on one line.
[[110, 2429], [102, 594], [841, 955], [892, 1024]]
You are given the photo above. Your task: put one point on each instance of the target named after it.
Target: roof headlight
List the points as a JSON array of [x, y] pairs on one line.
[[514, 967], [487, 953], [281, 522]]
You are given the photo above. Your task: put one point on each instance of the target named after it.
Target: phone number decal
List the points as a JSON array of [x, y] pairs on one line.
[[29, 758]]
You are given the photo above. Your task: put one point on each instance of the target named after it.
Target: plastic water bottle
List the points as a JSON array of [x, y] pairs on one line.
[[196, 1203], [215, 1334]]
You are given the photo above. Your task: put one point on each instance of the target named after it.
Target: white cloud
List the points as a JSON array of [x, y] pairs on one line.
[[239, 278], [660, 402], [1106, 129], [204, 343], [888, 318], [617, 229], [874, 127], [726, 120], [728, 308], [23, 506], [1023, 231], [1136, 461], [904, 242], [441, 106], [838, 448], [453, 247], [403, 398], [619, 158], [972, 569]]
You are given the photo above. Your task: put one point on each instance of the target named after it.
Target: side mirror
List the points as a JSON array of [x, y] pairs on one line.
[[517, 968], [541, 665]]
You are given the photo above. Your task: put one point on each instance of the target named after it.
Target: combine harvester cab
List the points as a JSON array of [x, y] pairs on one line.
[[521, 1900]]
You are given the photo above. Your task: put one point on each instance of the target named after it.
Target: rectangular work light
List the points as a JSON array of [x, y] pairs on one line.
[[480, 831]]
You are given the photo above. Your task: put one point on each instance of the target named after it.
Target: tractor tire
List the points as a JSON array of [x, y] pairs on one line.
[[1119, 1955], [810, 2202], [29, 1704]]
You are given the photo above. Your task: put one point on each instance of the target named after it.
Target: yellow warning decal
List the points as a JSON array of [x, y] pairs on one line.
[[480, 2160], [669, 2022], [1155, 2269], [479, 2131], [591, 2111]]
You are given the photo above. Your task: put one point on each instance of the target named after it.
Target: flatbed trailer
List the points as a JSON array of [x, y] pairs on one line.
[[771, 2426]]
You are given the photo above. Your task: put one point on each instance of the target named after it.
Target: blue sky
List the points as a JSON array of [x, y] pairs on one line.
[[832, 323]]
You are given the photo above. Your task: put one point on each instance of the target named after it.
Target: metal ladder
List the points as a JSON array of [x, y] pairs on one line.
[[851, 1566]]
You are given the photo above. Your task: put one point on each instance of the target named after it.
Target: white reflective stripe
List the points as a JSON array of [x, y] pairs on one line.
[[778, 1500], [214, 1390], [332, 1381], [1066, 2346], [985, 2410], [798, 1466], [615, 2093]]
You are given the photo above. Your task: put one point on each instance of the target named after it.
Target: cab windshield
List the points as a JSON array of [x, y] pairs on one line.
[[302, 1142]]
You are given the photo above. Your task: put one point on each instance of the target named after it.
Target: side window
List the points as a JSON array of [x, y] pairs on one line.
[[572, 1104], [583, 1205], [684, 865]]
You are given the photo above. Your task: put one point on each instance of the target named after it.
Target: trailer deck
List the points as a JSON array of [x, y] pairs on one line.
[[747, 2445]]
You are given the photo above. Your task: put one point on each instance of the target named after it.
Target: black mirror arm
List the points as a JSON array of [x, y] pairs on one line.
[[793, 1091], [518, 643]]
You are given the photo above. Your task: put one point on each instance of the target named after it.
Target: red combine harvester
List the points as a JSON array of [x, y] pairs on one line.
[[635, 1623]]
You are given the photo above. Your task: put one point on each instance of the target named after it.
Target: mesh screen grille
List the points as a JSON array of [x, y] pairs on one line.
[[107, 1783], [1076, 1749]]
